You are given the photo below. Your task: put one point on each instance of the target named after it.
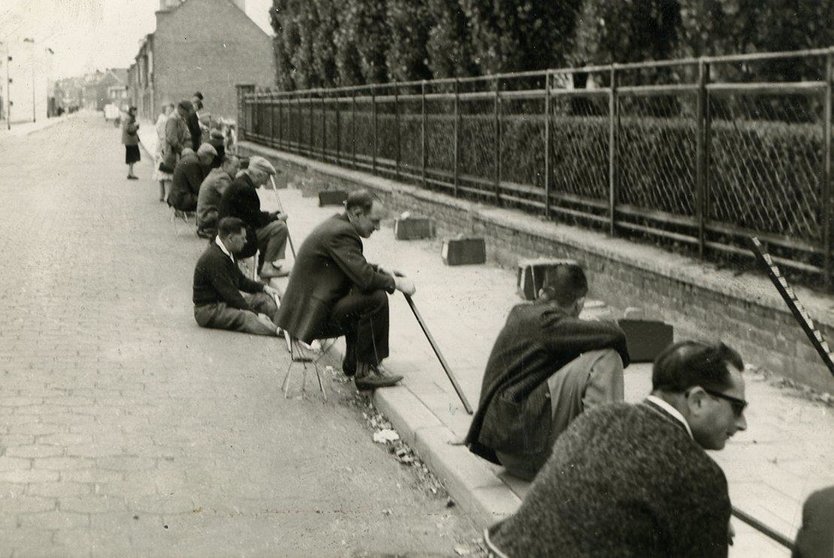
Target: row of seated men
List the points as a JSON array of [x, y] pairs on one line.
[[609, 478]]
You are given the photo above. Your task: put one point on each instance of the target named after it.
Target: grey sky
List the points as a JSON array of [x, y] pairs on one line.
[[91, 34]]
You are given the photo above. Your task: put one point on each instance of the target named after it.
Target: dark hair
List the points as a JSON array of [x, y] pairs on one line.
[[229, 225], [362, 199], [686, 364], [565, 283], [198, 95]]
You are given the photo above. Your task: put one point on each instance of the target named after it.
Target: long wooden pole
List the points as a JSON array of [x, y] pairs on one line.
[[437, 352], [281, 208]]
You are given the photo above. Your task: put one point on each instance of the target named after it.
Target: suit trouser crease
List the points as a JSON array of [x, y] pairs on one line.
[[591, 379], [363, 319], [223, 316], [272, 240]]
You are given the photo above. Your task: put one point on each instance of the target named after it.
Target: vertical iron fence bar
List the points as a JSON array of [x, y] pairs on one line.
[[338, 129], [397, 124], [826, 184], [457, 136], [323, 126], [614, 112], [700, 152], [271, 101], [280, 122], [311, 140], [353, 127], [547, 144], [497, 120], [373, 110], [423, 133]]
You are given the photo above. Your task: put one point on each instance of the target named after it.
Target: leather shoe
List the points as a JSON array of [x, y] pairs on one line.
[[372, 381], [381, 372]]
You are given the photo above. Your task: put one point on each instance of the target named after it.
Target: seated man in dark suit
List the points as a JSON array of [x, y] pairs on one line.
[[223, 297], [546, 367], [189, 173], [634, 480], [334, 291], [265, 231]]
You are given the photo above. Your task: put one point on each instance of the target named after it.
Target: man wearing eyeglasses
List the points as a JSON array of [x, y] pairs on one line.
[[334, 291], [634, 480]]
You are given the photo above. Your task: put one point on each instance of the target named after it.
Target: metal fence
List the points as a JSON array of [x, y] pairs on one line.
[[695, 153]]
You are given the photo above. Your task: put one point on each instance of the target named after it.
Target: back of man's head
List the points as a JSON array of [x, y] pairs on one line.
[[228, 226], [686, 364], [361, 199], [564, 284]]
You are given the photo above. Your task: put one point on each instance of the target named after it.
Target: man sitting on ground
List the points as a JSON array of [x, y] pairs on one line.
[[334, 291], [634, 480], [265, 231], [189, 173], [223, 297], [546, 367], [211, 190]]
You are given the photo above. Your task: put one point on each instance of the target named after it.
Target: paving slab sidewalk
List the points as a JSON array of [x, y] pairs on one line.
[[785, 454]]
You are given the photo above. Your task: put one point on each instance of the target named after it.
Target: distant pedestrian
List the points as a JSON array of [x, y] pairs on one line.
[[218, 141], [176, 136], [130, 139], [193, 121], [161, 173], [634, 480]]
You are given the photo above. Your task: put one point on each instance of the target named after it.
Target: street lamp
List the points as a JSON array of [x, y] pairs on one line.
[[31, 40]]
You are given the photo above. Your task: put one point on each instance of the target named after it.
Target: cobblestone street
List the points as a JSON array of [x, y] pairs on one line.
[[127, 430]]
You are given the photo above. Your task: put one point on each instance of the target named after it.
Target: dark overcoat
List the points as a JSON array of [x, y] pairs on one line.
[[329, 264]]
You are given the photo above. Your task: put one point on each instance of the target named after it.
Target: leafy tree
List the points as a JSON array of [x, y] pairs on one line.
[[364, 32], [519, 35], [449, 45], [627, 31], [324, 46], [409, 21], [281, 19]]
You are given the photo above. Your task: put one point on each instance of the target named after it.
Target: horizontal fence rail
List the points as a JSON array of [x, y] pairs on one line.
[[695, 155]]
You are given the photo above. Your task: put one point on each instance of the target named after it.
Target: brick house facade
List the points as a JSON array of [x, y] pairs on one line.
[[200, 45]]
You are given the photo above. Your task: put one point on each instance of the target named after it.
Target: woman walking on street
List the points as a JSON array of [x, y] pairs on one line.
[[130, 138], [161, 173]]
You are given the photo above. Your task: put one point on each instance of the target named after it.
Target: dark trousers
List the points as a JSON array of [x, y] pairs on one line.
[[363, 319]]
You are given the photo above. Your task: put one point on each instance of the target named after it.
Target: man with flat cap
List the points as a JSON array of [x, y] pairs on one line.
[[189, 173], [265, 231], [334, 291]]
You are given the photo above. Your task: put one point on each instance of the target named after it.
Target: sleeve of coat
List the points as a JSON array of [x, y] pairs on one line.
[[346, 251], [575, 335], [172, 136], [194, 177]]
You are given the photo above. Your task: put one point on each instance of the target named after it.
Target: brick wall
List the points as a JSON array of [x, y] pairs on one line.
[[209, 46], [702, 302]]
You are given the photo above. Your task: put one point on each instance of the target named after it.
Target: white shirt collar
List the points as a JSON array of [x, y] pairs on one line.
[[222, 247], [671, 410]]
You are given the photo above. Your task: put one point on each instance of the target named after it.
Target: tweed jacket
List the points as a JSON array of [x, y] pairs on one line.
[[329, 264], [211, 191], [538, 339], [626, 481]]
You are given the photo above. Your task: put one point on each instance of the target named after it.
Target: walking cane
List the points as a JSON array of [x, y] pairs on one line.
[[281, 209], [437, 352]]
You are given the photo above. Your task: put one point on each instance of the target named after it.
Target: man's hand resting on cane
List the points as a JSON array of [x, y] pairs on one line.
[[404, 285]]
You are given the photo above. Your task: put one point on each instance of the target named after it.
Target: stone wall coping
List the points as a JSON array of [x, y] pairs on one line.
[[753, 289]]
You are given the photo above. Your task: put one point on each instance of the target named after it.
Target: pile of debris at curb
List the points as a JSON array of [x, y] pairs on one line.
[[384, 433], [791, 387]]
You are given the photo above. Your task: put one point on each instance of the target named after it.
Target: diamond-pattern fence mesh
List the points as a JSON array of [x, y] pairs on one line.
[[680, 159]]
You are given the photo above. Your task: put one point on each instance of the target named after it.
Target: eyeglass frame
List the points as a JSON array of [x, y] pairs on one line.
[[737, 404]]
